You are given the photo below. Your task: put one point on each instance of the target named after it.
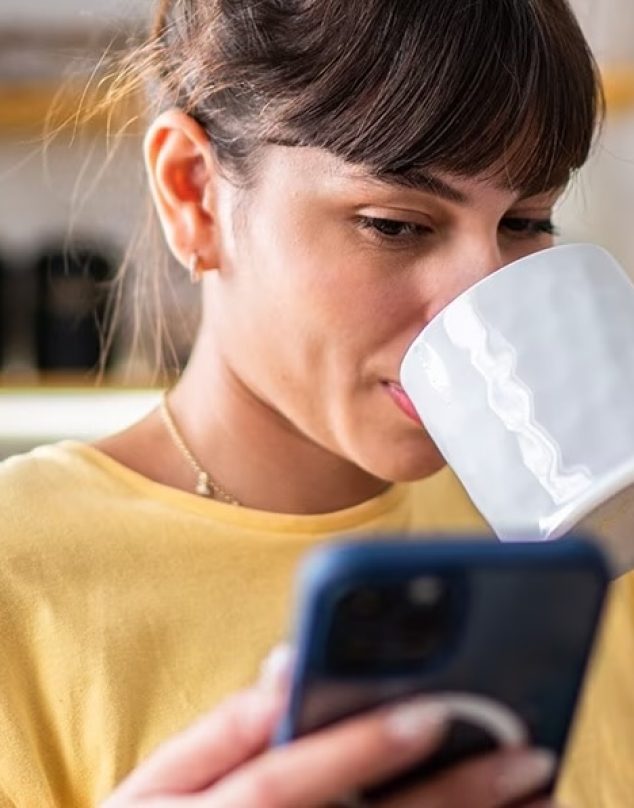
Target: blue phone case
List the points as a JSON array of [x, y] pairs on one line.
[[519, 621]]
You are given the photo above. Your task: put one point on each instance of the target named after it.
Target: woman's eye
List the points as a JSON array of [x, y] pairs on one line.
[[529, 227], [392, 229]]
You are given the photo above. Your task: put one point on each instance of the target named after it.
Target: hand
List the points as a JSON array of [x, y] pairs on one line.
[[224, 761]]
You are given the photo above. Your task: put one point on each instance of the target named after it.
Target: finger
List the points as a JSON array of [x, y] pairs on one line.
[[237, 730], [320, 767], [491, 781], [542, 804], [539, 804], [277, 669]]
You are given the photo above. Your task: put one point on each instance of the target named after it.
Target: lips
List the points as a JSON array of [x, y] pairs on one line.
[[402, 400]]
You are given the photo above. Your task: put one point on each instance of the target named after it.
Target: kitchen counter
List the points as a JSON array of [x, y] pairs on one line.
[[32, 416]]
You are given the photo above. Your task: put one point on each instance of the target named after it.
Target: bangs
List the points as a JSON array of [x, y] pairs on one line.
[[505, 88]]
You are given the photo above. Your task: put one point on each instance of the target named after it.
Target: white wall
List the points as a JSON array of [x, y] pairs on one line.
[[600, 204], [64, 13], [44, 192], [609, 26]]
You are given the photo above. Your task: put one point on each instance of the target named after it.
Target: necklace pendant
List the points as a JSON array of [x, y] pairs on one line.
[[202, 486]]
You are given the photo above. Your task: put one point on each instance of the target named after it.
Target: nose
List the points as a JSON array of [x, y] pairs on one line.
[[463, 268]]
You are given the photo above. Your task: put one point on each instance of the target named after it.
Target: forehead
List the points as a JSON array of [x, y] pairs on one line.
[[318, 168]]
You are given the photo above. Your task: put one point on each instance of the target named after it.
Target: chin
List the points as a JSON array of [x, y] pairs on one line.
[[410, 472], [406, 463]]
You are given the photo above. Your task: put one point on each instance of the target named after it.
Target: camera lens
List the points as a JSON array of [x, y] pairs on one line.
[[391, 627], [364, 603], [426, 590]]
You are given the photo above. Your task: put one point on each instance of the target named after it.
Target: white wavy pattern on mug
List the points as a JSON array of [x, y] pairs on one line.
[[511, 400], [435, 370]]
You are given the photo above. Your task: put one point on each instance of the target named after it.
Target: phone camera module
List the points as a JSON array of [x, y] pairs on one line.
[[391, 627], [365, 603]]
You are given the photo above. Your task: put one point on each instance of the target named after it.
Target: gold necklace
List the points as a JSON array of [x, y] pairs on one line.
[[206, 486]]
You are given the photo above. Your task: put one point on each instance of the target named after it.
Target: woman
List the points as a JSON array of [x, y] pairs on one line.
[[335, 172]]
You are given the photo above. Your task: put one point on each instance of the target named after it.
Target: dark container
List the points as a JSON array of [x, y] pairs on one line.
[[72, 288]]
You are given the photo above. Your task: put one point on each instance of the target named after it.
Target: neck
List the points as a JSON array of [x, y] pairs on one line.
[[255, 453]]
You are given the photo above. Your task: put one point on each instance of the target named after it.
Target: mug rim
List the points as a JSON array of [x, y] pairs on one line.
[[581, 246]]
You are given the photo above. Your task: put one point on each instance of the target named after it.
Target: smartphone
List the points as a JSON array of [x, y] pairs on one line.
[[502, 631]]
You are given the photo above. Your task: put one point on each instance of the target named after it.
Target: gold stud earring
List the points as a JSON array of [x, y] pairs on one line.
[[195, 271]]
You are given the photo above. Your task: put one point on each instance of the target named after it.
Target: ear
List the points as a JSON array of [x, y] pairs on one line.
[[183, 174]]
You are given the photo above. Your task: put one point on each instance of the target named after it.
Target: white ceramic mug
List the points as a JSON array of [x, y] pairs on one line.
[[525, 382]]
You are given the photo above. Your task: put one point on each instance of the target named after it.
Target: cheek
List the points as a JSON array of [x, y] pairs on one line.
[[522, 249], [321, 306], [311, 277], [365, 296]]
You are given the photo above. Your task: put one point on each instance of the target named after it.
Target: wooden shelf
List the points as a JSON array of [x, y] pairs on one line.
[[38, 106], [42, 108], [619, 88], [33, 382]]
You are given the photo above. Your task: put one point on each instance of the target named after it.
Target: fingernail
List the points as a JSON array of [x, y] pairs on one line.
[[276, 667], [412, 720], [526, 773]]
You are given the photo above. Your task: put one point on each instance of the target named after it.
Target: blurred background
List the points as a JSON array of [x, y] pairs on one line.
[[72, 198]]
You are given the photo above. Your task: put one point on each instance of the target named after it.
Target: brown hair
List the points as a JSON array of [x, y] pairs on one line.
[[461, 85], [465, 86]]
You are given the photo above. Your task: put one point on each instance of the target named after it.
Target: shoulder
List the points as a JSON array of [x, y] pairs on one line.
[[33, 479], [41, 462], [53, 503], [617, 650], [47, 492], [43, 475], [599, 762]]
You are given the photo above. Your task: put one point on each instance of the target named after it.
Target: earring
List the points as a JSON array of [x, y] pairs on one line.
[[195, 271]]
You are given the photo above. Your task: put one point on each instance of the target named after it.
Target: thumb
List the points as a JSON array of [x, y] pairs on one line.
[[236, 731]]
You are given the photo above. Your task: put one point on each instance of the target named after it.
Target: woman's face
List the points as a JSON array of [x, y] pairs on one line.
[[327, 276]]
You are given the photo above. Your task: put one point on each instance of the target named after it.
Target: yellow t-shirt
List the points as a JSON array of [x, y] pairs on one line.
[[128, 608]]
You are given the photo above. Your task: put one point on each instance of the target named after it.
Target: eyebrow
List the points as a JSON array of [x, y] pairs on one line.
[[420, 180], [428, 182], [417, 180]]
